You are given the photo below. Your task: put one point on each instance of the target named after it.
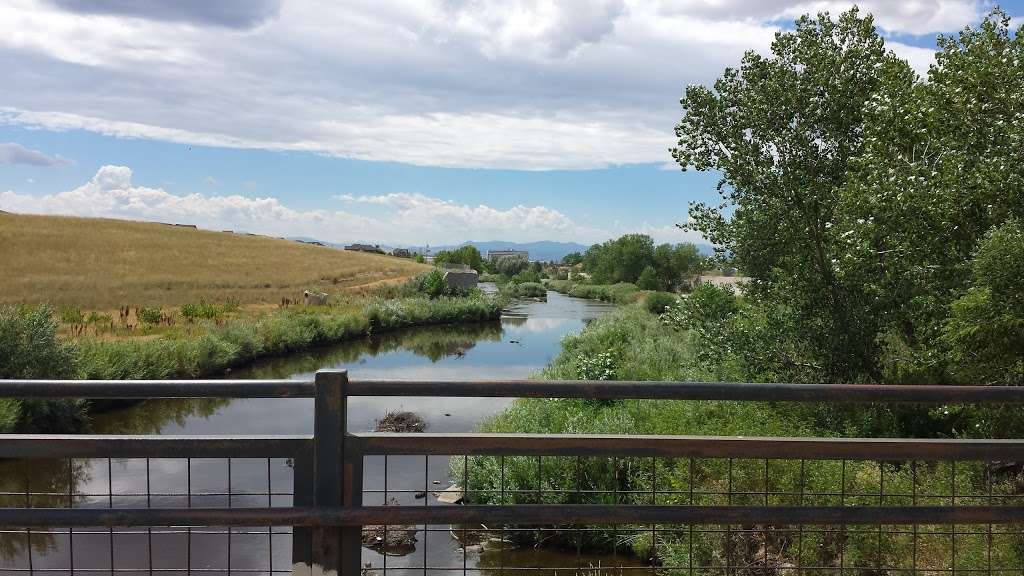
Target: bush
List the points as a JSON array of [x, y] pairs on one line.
[[431, 284], [648, 279], [658, 302], [509, 266], [529, 290], [621, 293], [30, 348], [71, 315], [149, 315], [984, 333], [201, 310], [527, 276]]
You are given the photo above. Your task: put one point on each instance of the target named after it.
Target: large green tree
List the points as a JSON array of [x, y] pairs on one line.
[[941, 166], [782, 130], [856, 194]]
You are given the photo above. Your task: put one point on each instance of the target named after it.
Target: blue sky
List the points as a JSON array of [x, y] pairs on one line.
[[391, 122]]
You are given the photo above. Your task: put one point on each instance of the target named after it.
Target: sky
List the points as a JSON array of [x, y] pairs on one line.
[[393, 122]]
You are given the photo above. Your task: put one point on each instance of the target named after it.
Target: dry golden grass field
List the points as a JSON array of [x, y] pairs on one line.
[[101, 264]]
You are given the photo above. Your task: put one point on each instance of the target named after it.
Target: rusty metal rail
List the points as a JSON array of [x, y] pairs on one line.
[[327, 510]]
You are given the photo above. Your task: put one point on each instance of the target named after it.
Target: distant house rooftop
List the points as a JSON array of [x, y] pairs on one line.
[[375, 249]]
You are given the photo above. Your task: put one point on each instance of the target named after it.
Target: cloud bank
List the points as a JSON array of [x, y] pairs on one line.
[[396, 219], [521, 84]]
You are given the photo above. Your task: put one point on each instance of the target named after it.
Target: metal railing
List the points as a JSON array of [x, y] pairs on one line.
[[326, 515]]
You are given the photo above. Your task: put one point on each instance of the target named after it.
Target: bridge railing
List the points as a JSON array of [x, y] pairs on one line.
[[326, 516]]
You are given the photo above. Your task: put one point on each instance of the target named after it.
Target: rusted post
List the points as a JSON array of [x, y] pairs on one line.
[[329, 430], [303, 490]]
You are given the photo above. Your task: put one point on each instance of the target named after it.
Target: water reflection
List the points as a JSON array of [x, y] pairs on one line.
[[526, 340]]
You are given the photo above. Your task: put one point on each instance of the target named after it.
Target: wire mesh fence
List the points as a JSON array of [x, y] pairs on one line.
[[379, 504], [150, 483]]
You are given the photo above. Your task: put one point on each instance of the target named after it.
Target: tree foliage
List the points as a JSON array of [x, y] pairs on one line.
[[634, 256], [468, 255], [854, 193]]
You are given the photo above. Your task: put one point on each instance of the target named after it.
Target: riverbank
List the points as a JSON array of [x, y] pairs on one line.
[[204, 348], [633, 344]]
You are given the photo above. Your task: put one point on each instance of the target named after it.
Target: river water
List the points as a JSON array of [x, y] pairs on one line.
[[526, 340]]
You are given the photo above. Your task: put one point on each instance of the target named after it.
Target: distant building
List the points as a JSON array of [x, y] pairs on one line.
[[375, 249], [464, 279], [401, 253], [313, 242], [493, 255]]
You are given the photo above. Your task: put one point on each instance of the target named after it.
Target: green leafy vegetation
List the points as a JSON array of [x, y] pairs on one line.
[[150, 315], [878, 216], [622, 293], [632, 344], [526, 290], [634, 258], [659, 302], [30, 348], [433, 285], [467, 255], [855, 195]]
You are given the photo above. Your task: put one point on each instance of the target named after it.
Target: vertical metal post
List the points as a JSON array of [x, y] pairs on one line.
[[351, 494], [302, 538], [328, 454]]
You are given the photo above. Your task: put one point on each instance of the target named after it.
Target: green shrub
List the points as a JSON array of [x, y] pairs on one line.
[[30, 348], [658, 302], [648, 279], [202, 310], [71, 315], [527, 276], [431, 284], [149, 315], [529, 290], [600, 366]]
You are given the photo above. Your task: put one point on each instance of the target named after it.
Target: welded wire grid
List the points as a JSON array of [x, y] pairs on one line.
[[690, 549], [147, 483]]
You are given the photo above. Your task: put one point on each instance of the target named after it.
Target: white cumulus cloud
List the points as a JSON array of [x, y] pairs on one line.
[[395, 219], [523, 84]]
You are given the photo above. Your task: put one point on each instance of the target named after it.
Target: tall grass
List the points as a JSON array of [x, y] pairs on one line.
[[621, 293], [239, 342], [100, 264], [631, 344]]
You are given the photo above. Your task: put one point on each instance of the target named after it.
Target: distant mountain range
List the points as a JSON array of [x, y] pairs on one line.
[[545, 250]]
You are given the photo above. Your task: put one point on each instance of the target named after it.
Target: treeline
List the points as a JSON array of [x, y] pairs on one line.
[[878, 213], [634, 258]]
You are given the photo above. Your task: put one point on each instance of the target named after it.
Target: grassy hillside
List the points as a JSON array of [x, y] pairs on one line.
[[104, 264]]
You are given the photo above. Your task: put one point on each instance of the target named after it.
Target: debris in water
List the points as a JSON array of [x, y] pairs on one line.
[[396, 540], [401, 422]]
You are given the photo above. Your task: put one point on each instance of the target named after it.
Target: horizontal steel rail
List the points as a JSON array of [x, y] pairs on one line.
[[882, 449], [38, 446], [523, 514], [604, 390], [620, 390], [155, 389]]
